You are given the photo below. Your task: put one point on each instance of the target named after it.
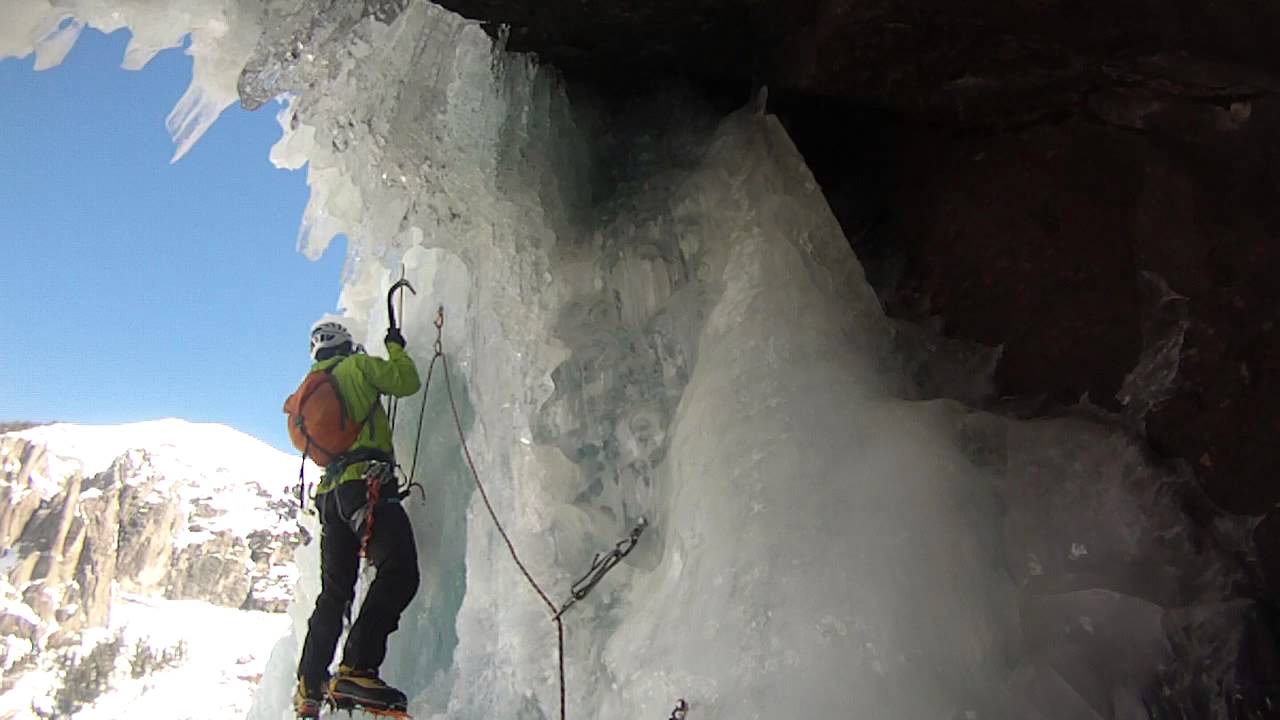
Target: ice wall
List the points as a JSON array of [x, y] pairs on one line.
[[655, 315], [651, 311], [809, 520]]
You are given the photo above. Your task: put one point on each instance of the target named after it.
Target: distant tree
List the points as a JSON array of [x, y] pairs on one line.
[[86, 677], [146, 660], [8, 426]]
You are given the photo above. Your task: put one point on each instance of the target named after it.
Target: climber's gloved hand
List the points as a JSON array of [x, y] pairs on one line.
[[394, 336]]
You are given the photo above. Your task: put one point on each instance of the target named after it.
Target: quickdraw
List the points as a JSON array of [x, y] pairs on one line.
[[601, 565]]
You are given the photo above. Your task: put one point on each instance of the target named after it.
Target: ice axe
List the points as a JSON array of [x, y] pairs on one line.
[[391, 310]]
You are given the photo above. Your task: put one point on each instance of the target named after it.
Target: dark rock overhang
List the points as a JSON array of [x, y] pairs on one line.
[[984, 63]]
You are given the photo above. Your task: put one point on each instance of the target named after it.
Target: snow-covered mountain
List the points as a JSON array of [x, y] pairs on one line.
[[225, 480], [160, 511]]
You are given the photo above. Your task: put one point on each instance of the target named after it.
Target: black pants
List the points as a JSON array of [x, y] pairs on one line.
[[392, 552]]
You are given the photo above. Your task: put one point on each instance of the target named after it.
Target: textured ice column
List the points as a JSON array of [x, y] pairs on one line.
[[404, 136], [820, 553], [659, 321]]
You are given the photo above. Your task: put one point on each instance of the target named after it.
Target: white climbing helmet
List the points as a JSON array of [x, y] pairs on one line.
[[327, 333]]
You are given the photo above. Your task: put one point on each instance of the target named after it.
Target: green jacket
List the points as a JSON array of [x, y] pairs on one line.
[[362, 379]]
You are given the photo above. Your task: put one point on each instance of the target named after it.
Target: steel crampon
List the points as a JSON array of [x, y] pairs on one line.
[[350, 706]]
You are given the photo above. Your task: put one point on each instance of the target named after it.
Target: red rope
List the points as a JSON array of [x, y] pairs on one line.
[[484, 495], [373, 492], [457, 420], [511, 548]]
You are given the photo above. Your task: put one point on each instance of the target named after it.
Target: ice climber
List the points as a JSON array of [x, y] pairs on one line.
[[358, 479]]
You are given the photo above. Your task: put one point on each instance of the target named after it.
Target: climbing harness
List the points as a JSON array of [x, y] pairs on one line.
[[601, 565]]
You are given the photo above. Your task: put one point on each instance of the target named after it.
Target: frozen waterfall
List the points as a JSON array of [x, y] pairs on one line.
[[652, 312]]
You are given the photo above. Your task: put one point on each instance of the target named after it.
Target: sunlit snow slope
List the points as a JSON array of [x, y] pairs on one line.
[[226, 651], [102, 523]]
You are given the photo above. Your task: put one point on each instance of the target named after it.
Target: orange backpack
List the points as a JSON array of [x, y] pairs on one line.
[[318, 421]]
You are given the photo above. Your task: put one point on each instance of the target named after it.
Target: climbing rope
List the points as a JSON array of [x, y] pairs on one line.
[[600, 566], [439, 353], [484, 495], [374, 477], [372, 493]]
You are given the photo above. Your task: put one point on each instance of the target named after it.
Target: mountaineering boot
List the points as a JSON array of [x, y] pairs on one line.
[[307, 698], [365, 688]]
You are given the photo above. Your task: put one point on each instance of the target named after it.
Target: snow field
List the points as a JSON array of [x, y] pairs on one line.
[[227, 650]]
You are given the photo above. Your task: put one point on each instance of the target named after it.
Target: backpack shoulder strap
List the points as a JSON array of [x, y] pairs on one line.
[[342, 403], [368, 415]]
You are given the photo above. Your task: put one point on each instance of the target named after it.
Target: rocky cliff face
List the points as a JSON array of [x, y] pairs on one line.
[[72, 538]]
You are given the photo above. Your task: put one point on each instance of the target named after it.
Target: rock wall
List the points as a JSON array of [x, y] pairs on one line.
[[1119, 255], [1125, 266], [69, 539]]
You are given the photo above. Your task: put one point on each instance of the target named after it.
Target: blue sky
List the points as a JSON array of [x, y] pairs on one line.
[[134, 289]]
